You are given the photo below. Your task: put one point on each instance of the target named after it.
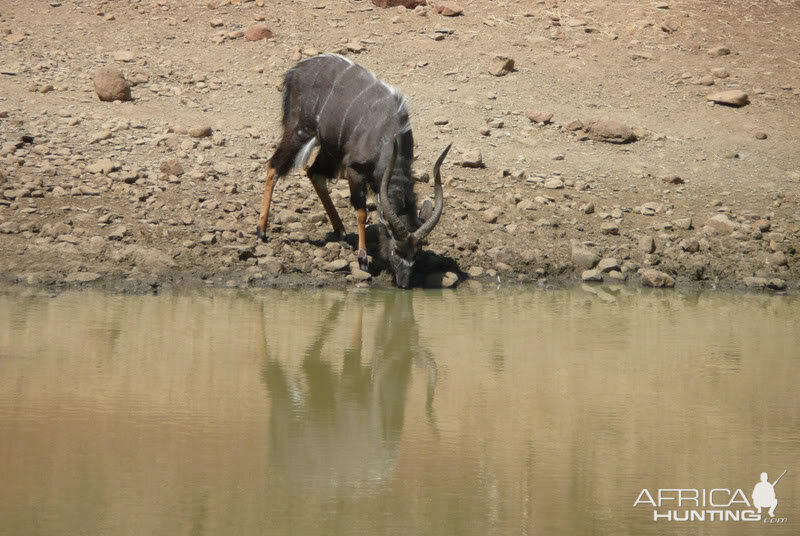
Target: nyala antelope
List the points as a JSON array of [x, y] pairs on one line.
[[338, 118]]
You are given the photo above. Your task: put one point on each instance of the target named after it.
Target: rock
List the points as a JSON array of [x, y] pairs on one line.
[[652, 208], [441, 280], [719, 51], [151, 259], [208, 239], [755, 282], [721, 223], [271, 265], [617, 275], [608, 264], [776, 284], [543, 118], [81, 277], [68, 238], [777, 259], [582, 257], [587, 208], [591, 275], [647, 244], [337, 265], [501, 66], [104, 166], [472, 159], [100, 136], [683, 223], [118, 233], [760, 135], [491, 215], [359, 274], [656, 279], [257, 32], [720, 72], [448, 9], [763, 225], [172, 167], [554, 184], [609, 130], [200, 132], [609, 228], [408, 4], [690, 245], [123, 55], [110, 85], [475, 271], [731, 97], [706, 80]]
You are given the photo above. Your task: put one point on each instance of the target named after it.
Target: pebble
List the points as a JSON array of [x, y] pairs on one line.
[[609, 130], [472, 159], [609, 228], [554, 184], [441, 280], [608, 264], [719, 51], [647, 244], [448, 9], [491, 215], [200, 132], [337, 265], [582, 257], [257, 32], [172, 167], [721, 223], [543, 118], [208, 239]]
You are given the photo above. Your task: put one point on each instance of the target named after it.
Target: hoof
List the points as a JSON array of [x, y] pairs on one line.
[[261, 234], [363, 260]]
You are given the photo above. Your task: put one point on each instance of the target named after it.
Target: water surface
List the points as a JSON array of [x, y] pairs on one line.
[[388, 412]]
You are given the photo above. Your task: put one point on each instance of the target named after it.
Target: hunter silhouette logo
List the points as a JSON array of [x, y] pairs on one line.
[[714, 504], [764, 494]]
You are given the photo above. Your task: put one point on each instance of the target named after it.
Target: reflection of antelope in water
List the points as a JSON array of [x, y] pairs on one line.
[[329, 428]]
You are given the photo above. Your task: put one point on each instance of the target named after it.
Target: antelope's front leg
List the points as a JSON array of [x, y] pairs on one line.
[[269, 186], [358, 198], [320, 184]]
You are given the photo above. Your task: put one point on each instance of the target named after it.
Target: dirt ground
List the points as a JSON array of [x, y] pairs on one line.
[[125, 195]]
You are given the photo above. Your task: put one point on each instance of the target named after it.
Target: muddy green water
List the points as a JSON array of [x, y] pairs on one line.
[[383, 412]]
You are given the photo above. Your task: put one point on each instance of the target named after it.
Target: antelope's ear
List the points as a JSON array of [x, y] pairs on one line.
[[426, 211]]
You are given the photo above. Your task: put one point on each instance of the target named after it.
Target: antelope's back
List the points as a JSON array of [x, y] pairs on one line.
[[345, 103]]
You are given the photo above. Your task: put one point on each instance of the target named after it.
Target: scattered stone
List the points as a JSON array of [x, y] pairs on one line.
[[652, 208], [608, 264], [448, 9], [554, 184], [720, 72], [777, 258], [123, 55], [647, 244], [491, 215], [731, 97], [501, 66], [683, 223], [587, 208], [719, 51], [172, 167], [118, 233], [776, 284], [208, 239], [609, 228], [656, 279], [359, 274], [721, 223], [591, 275], [408, 4], [82, 277], [609, 130], [257, 32], [582, 257], [760, 135], [103, 166], [617, 275], [475, 271], [337, 265], [271, 265], [706, 80], [110, 85], [200, 132], [543, 118], [472, 159], [690, 245], [763, 225]]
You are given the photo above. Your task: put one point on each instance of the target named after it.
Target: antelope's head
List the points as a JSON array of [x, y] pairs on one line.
[[404, 245]]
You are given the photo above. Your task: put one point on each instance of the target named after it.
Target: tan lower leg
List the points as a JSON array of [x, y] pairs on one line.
[[361, 219], [265, 204]]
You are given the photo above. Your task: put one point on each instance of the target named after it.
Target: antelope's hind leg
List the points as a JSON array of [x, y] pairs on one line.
[[269, 186], [320, 183]]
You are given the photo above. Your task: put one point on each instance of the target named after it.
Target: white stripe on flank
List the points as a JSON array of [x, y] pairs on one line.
[[301, 160], [344, 118], [333, 88]]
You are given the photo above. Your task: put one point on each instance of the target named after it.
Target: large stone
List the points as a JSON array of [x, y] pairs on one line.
[[583, 257], [448, 9], [656, 279], [110, 85], [608, 264], [257, 32], [731, 97], [501, 65], [540, 117], [721, 223], [441, 280], [609, 130], [408, 4], [81, 277]]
